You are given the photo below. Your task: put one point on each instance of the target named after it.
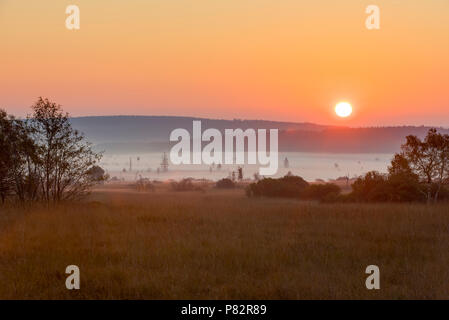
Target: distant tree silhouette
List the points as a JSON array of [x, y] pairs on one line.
[[183, 185], [240, 173], [256, 176], [225, 184], [286, 163], [164, 163], [144, 184], [97, 174]]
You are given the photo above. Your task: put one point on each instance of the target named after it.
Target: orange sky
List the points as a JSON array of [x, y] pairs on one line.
[[266, 59]]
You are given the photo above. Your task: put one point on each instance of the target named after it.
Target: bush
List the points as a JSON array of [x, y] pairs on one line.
[[404, 188], [225, 184], [183, 185], [97, 174], [321, 192], [338, 198], [373, 187], [144, 184], [396, 187], [286, 187]]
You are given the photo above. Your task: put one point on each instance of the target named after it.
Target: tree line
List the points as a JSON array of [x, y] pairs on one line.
[[42, 158], [419, 172]]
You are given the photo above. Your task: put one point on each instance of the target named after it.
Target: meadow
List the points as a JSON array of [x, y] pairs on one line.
[[219, 244]]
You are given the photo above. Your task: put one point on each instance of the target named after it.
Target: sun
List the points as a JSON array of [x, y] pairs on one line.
[[343, 109]]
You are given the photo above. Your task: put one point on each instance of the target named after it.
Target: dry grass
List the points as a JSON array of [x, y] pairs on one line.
[[222, 245]]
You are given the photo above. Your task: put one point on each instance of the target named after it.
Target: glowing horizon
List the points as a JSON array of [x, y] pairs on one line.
[[272, 60]]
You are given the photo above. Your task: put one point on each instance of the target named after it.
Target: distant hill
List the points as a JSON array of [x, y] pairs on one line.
[[158, 128], [127, 134], [350, 140]]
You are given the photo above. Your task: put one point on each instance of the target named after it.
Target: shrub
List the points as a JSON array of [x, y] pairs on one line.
[[97, 174], [286, 187], [183, 185], [321, 191], [395, 187], [144, 184], [225, 184], [373, 187], [404, 188]]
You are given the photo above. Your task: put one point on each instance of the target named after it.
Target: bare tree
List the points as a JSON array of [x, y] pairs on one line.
[[18, 160], [240, 173], [65, 157], [6, 159], [164, 163]]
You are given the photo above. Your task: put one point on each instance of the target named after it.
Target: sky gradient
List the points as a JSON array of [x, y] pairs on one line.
[[274, 60]]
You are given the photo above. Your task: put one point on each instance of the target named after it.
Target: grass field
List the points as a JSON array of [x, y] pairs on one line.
[[222, 245]]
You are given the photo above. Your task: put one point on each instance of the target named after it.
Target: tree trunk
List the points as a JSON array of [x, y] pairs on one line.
[[429, 194], [437, 193]]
